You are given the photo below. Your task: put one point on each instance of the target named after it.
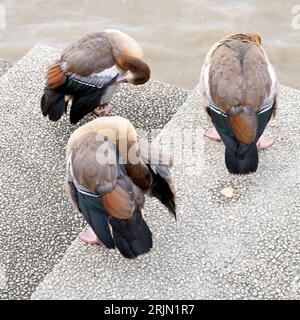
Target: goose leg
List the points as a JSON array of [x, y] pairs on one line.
[[103, 112], [263, 143], [212, 134], [89, 236]]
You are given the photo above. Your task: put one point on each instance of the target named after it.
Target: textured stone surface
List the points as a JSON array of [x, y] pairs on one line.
[[4, 66], [243, 247], [37, 222]]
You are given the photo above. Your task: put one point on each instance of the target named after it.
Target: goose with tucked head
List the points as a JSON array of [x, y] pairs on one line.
[[240, 94], [89, 73], [109, 172]]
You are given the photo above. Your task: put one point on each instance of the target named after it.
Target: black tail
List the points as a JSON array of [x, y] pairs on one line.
[[243, 160], [53, 104], [162, 186], [132, 237], [83, 105], [86, 98]]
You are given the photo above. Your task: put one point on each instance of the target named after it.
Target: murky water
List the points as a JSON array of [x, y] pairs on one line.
[[175, 34]]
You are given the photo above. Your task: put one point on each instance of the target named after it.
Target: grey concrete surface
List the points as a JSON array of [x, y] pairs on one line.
[[36, 221], [243, 247], [4, 66]]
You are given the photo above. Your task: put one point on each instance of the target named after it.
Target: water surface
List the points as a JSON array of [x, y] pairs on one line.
[[175, 34]]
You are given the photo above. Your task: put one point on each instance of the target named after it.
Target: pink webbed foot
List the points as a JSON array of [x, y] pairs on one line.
[[212, 134], [89, 236], [264, 142], [103, 112]]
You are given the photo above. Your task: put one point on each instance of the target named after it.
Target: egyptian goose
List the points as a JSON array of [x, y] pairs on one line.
[[240, 93], [89, 72], [109, 171]]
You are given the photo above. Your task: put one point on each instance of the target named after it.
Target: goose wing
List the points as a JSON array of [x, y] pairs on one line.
[[105, 190], [90, 54], [239, 76], [159, 164]]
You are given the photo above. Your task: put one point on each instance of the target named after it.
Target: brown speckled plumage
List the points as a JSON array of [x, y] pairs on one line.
[[84, 145], [239, 81], [99, 51]]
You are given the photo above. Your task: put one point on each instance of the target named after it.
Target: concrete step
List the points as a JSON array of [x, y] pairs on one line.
[[4, 66], [37, 223], [243, 247]]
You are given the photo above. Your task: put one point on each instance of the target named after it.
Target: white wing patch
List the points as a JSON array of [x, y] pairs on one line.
[[206, 81], [270, 99], [108, 73]]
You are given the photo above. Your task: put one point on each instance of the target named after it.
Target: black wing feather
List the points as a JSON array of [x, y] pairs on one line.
[[53, 104], [161, 187], [86, 98], [132, 237]]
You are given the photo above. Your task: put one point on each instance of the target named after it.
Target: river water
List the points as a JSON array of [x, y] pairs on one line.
[[175, 34]]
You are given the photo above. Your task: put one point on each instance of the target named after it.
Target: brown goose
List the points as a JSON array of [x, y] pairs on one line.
[[240, 92], [109, 171], [89, 72]]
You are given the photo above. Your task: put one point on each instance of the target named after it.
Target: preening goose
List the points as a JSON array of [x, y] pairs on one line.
[[109, 171], [240, 93], [89, 72]]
